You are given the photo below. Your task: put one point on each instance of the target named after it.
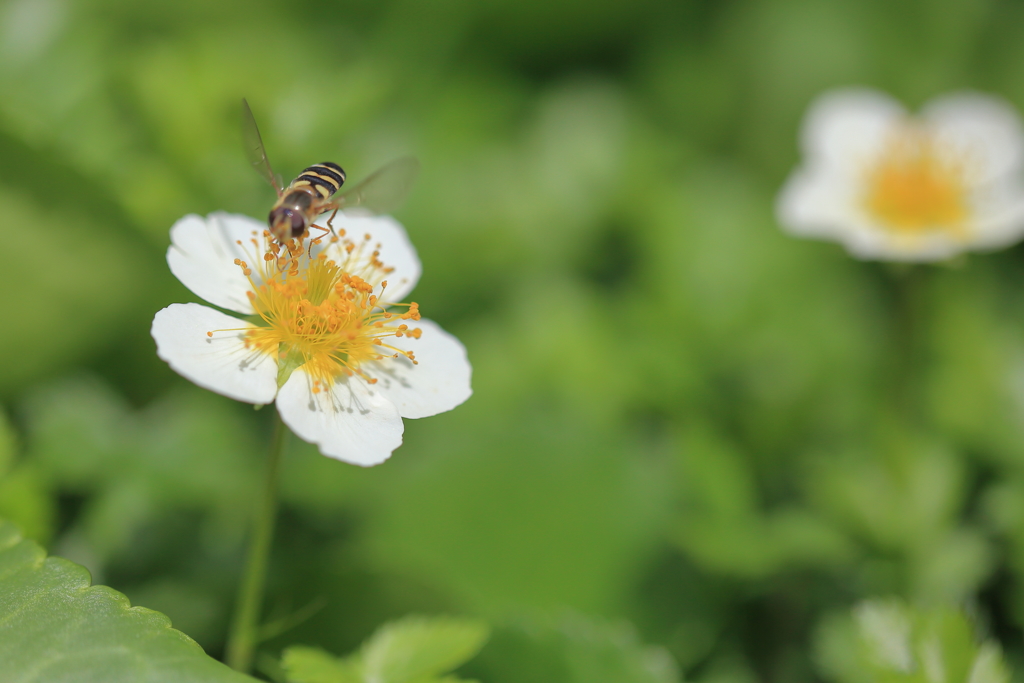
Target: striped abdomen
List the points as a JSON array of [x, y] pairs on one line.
[[324, 178]]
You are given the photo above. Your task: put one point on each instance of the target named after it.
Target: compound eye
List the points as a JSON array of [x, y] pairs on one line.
[[298, 224]]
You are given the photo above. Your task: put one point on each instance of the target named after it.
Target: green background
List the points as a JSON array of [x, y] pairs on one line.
[[687, 427]]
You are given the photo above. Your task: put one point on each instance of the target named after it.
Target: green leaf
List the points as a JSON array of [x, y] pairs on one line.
[[989, 666], [313, 665], [25, 500], [55, 627], [415, 649], [887, 641], [24, 494], [420, 647], [573, 649], [6, 444]]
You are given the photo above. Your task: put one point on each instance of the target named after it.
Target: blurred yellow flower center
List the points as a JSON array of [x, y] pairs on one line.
[[913, 188], [320, 315]]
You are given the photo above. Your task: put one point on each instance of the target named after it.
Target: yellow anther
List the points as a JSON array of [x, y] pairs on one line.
[[917, 186], [322, 314]]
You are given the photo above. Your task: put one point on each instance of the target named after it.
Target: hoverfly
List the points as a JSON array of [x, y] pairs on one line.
[[312, 193]]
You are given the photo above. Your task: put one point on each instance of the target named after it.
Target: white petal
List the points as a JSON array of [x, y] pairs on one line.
[[438, 383], [202, 255], [351, 422], [396, 251], [983, 131], [220, 363], [847, 127], [999, 217], [816, 203], [875, 245]]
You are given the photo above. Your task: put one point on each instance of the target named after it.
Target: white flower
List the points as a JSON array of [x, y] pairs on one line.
[[324, 334], [892, 186]]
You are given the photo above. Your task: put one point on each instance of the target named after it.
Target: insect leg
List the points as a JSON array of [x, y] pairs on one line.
[[329, 229], [315, 240], [331, 220]]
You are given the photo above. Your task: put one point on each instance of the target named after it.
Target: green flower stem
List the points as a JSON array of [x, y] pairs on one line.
[[904, 418], [909, 314], [244, 628]]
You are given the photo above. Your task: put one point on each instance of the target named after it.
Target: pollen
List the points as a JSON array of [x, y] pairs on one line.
[[917, 187], [325, 316]]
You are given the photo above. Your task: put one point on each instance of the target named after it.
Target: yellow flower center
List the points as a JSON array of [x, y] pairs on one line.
[[915, 189], [325, 316]]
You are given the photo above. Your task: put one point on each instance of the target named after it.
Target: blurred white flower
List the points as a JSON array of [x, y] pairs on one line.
[[324, 334], [891, 186]]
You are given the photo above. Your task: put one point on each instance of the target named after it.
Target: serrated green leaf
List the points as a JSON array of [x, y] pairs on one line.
[[421, 647], [56, 627], [313, 665]]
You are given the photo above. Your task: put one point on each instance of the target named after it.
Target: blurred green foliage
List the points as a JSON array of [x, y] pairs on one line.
[[884, 640], [682, 418]]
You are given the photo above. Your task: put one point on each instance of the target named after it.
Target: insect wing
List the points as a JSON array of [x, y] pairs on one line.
[[254, 147], [383, 190]]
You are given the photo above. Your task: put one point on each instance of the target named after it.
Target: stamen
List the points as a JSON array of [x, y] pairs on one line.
[[323, 316], [917, 187]]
